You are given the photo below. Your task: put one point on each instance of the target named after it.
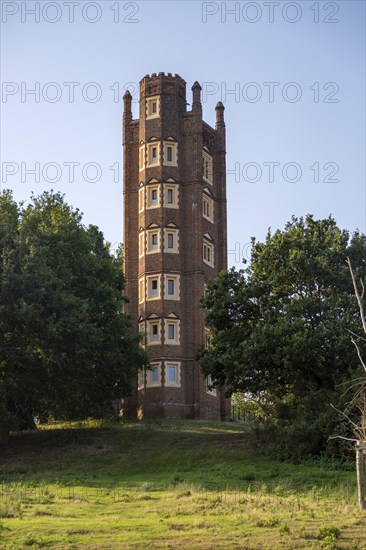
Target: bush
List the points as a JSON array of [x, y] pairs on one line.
[[303, 437]]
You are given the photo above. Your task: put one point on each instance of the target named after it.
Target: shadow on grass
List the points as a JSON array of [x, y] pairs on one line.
[[106, 455]]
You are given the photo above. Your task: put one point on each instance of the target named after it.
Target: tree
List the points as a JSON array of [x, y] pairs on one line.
[[67, 348], [280, 326], [9, 216]]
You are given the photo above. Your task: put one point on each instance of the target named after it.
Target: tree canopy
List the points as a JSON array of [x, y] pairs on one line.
[[67, 348], [280, 327]]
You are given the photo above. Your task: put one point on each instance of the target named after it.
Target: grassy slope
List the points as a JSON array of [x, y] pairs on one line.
[[171, 479]]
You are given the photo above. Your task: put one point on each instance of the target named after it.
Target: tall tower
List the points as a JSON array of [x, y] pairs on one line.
[[175, 240]]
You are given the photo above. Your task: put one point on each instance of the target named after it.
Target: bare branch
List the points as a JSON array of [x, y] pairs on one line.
[[358, 297], [341, 437], [358, 353], [346, 416], [359, 399], [359, 395], [356, 335], [357, 382]]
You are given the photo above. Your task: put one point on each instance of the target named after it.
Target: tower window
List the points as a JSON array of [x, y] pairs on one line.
[[153, 332], [172, 374], [210, 389], [206, 171], [153, 375], [172, 327], [208, 208], [141, 199], [153, 196], [207, 167], [142, 157], [171, 240], [153, 241], [171, 286], [142, 332], [170, 153], [208, 253], [141, 244], [141, 379], [171, 195], [152, 107], [153, 153], [153, 287], [141, 290]]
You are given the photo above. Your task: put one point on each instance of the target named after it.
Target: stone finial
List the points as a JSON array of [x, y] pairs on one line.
[[196, 89], [220, 115], [127, 97], [127, 106], [196, 86]]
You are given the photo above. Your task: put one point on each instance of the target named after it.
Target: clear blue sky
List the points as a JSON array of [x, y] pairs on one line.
[[321, 52]]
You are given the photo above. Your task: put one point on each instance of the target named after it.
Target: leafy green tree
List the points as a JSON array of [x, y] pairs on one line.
[[67, 348], [280, 326], [9, 218]]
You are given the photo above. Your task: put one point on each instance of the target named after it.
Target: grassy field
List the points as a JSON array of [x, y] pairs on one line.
[[168, 484]]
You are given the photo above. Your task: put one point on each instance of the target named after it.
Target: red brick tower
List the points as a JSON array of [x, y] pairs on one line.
[[174, 242]]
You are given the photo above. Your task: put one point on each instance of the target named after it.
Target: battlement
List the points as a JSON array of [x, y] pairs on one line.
[[159, 83], [162, 75]]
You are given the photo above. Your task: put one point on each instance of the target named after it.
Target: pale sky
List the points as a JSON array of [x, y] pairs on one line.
[[290, 74]]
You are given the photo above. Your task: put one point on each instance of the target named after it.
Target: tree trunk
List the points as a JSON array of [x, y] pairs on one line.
[[360, 470]]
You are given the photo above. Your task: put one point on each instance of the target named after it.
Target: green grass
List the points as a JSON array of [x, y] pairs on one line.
[[168, 484]]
